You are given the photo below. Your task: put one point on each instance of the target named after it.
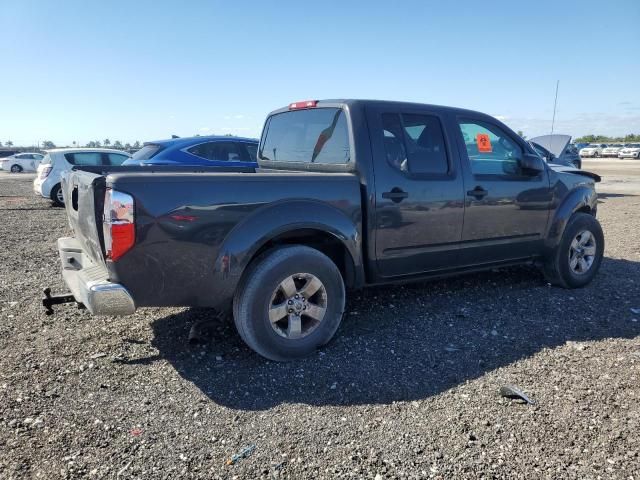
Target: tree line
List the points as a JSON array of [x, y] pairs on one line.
[[118, 145], [631, 138]]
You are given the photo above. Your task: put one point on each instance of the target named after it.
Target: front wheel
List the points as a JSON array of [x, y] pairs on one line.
[[16, 168], [289, 302], [577, 258]]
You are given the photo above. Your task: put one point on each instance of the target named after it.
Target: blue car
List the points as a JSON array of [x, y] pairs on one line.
[[211, 151]]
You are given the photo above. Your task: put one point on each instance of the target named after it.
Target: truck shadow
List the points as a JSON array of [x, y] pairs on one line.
[[409, 342]]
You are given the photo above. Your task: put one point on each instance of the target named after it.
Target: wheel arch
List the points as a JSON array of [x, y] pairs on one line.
[[581, 199], [311, 223]]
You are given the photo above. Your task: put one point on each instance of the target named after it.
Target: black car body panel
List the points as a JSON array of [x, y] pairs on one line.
[[197, 231]]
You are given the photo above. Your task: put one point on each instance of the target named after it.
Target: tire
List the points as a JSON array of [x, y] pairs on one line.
[[56, 196], [261, 294], [16, 168], [560, 270]]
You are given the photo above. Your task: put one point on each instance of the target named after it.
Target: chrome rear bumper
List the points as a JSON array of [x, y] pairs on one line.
[[89, 284]]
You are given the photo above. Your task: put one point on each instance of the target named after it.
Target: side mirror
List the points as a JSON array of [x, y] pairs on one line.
[[531, 164]]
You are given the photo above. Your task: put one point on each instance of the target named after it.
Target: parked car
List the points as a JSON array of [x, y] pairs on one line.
[[593, 150], [579, 145], [209, 151], [350, 193], [612, 150], [557, 149], [631, 150], [57, 161], [22, 162]]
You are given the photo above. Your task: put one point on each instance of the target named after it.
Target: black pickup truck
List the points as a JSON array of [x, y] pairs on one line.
[[349, 193]]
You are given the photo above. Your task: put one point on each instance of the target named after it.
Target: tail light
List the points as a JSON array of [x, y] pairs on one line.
[[303, 104], [118, 224], [45, 173]]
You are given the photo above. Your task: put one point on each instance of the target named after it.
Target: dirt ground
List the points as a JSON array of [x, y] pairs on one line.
[[408, 389]]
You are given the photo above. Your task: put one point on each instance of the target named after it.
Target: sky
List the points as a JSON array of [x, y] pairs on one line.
[[144, 70]]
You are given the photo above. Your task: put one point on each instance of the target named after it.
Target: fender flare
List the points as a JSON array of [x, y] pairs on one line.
[[575, 200], [248, 237]]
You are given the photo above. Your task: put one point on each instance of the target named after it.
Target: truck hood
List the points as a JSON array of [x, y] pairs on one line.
[[562, 169], [556, 144]]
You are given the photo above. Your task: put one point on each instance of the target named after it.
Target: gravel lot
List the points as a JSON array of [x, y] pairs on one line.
[[408, 389]]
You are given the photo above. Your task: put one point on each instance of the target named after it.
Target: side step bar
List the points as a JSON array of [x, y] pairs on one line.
[[50, 300]]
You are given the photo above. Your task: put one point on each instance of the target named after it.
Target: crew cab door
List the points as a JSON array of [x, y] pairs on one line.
[[418, 191], [506, 209]]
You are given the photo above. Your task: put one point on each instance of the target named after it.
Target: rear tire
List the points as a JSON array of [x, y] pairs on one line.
[[56, 196], [290, 301], [577, 258], [16, 168]]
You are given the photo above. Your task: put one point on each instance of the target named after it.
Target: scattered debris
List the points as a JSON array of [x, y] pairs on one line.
[[635, 311], [509, 391], [244, 453], [136, 432], [95, 356]]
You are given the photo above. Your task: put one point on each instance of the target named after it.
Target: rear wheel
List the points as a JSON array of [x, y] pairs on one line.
[[16, 168], [577, 258], [289, 303], [56, 196]]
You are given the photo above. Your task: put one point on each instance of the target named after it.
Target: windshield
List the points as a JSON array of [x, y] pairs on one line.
[[145, 153], [318, 135], [633, 145]]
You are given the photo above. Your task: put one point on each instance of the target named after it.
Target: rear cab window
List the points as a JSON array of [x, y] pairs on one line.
[[307, 136]]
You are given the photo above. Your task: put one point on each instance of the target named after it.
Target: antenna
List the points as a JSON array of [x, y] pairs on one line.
[[555, 104]]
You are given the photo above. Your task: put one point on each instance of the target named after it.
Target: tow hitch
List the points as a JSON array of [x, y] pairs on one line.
[[49, 300]]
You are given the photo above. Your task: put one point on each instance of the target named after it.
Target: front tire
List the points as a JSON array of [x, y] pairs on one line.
[[289, 302], [16, 168], [56, 196], [576, 260]]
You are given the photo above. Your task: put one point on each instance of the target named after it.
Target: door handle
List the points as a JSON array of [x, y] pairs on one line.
[[478, 192], [395, 195]]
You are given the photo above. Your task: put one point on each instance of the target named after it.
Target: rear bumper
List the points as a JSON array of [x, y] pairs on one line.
[[89, 282]]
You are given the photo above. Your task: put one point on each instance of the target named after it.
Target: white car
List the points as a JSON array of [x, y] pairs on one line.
[[632, 150], [58, 161], [22, 162], [593, 150], [612, 150]]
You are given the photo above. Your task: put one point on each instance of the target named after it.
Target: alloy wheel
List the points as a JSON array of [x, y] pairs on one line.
[[582, 252], [298, 306]]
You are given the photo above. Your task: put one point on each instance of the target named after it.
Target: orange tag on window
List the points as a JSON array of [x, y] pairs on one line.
[[484, 144]]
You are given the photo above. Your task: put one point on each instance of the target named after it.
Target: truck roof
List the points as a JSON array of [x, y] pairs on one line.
[[354, 102]]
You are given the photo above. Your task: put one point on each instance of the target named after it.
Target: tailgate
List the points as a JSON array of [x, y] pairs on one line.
[[84, 201]]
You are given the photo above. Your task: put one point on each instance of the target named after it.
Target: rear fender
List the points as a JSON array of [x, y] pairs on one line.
[[579, 199], [256, 231]]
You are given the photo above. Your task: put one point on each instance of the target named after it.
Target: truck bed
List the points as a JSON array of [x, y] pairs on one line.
[[194, 227]]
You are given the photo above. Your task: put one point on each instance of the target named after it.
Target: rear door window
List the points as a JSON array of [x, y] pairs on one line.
[[84, 158], [415, 143], [217, 151], [252, 151], [317, 135]]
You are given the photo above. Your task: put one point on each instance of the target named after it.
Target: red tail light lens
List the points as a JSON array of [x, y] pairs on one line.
[[118, 224], [45, 173]]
